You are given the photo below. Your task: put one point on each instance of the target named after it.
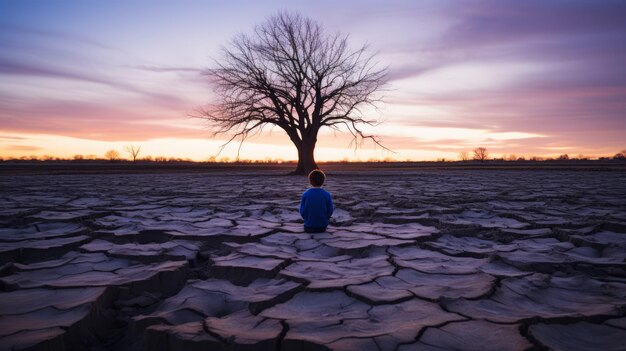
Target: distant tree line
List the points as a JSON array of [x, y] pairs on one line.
[[482, 154], [479, 154]]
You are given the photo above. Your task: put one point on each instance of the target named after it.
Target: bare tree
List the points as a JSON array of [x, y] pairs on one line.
[[133, 151], [464, 156], [620, 155], [480, 154], [292, 75], [112, 155]]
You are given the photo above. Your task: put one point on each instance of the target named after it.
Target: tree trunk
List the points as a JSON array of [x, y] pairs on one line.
[[306, 157]]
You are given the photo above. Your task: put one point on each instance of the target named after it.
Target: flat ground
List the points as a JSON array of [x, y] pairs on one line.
[[414, 260]]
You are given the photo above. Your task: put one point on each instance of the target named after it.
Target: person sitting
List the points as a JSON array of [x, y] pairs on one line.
[[316, 206]]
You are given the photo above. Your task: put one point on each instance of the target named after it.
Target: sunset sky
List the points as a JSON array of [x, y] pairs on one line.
[[517, 77]]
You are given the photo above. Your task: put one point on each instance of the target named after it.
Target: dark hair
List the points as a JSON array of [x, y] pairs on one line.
[[317, 177]]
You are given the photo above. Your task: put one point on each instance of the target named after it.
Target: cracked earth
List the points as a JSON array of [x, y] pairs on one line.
[[437, 260]]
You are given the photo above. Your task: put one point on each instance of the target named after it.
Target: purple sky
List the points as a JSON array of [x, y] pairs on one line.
[[519, 77]]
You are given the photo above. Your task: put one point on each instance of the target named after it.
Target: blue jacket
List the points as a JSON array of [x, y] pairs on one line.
[[316, 208]]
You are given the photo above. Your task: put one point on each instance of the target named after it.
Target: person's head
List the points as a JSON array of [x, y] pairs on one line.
[[316, 178]]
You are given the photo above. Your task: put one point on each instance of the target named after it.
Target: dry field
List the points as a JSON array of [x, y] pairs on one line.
[[413, 260]]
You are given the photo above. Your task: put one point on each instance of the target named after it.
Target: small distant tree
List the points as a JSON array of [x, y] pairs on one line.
[[563, 157], [580, 157], [620, 155], [112, 155], [511, 157], [133, 151], [463, 156], [480, 154], [78, 157]]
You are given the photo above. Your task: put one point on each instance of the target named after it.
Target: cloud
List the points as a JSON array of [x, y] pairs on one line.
[[22, 148], [577, 93], [24, 68], [497, 31], [53, 82], [10, 137], [97, 120], [482, 23], [10, 66], [160, 69], [410, 70], [23, 31]]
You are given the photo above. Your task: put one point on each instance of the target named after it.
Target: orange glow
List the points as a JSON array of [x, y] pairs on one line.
[[275, 146]]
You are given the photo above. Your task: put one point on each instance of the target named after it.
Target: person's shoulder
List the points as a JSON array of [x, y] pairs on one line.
[[315, 190], [308, 191]]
